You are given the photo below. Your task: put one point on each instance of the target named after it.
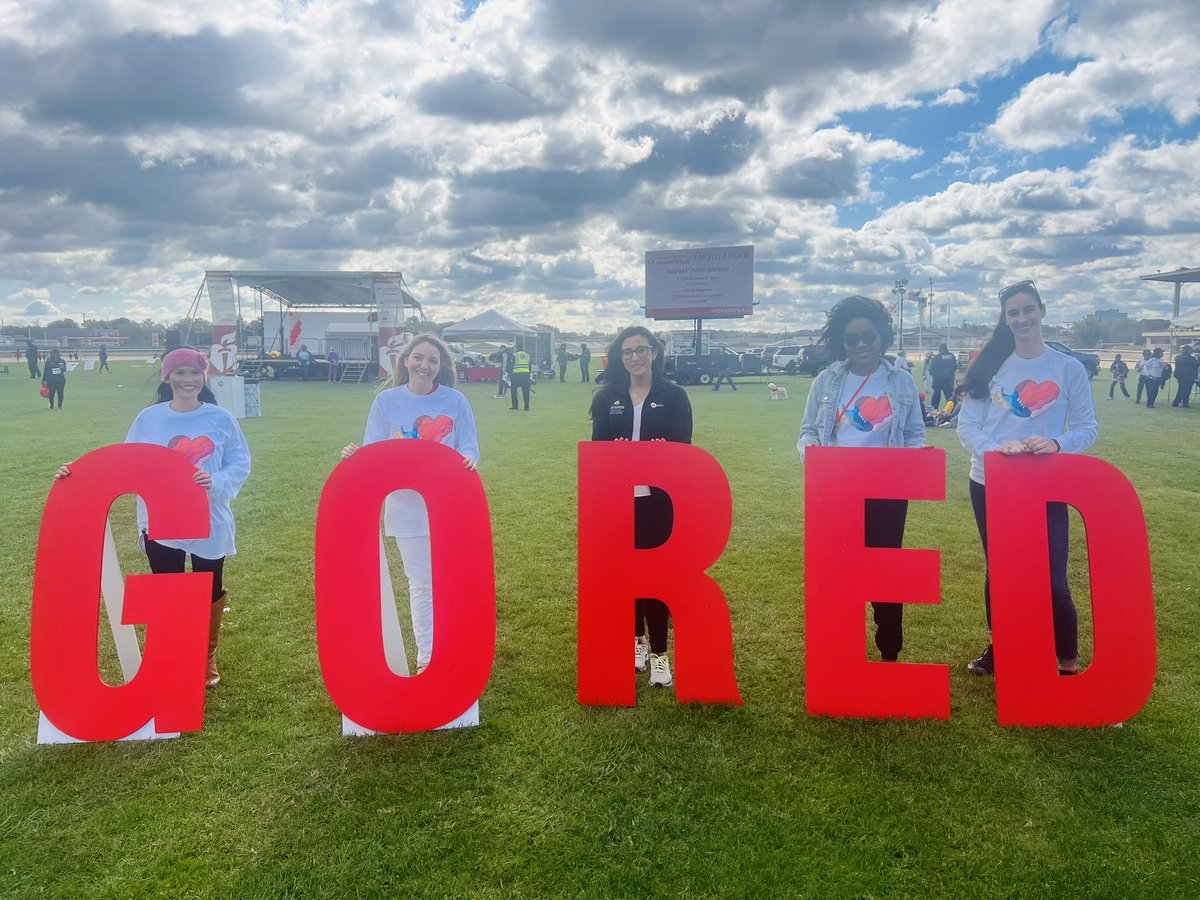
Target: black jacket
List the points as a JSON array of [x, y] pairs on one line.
[[1186, 366], [666, 413], [943, 366]]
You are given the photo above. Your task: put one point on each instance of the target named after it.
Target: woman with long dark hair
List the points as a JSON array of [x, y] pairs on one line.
[[1023, 397], [54, 376], [862, 400], [419, 402], [185, 418], [637, 403]]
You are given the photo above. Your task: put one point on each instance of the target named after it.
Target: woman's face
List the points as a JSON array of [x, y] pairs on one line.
[[638, 355], [423, 364], [186, 382], [1024, 315], [861, 340]]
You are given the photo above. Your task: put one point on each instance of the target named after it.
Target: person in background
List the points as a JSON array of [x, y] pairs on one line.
[[1022, 398], [54, 377], [902, 361], [331, 365], [31, 357], [521, 377], [305, 359], [725, 373], [637, 403], [562, 357], [862, 400], [585, 362], [103, 356], [1138, 366], [943, 368], [420, 403], [1152, 375], [184, 417], [1186, 369], [504, 358], [1120, 371]]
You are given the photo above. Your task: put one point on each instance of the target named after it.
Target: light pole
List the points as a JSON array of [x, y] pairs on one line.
[[919, 298], [900, 290]]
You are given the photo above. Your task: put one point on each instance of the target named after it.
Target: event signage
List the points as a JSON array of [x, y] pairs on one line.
[[713, 283], [841, 576]]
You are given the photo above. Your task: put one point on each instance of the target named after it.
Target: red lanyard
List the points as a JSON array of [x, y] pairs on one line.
[[850, 402]]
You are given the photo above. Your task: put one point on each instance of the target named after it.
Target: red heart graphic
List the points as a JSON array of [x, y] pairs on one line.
[[875, 409], [428, 429], [1036, 394], [195, 449]]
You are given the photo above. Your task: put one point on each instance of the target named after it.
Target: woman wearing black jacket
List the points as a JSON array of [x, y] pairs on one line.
[[639, 404], [54, 376]]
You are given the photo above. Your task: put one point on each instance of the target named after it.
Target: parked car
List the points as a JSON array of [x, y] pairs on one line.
[[813, 359], [786, 358], [1091, 361]]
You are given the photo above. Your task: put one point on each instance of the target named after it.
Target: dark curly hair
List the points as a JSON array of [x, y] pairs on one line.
[[856, 307]]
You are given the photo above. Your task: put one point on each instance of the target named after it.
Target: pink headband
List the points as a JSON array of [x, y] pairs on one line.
[[184, 356]]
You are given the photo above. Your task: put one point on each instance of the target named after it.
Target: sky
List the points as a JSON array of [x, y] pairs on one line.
[[524, 154]]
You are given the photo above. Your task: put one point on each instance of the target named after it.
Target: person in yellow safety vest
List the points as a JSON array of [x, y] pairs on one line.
[[520, 377]]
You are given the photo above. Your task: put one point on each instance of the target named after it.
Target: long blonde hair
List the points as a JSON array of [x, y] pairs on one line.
[[447, 373]]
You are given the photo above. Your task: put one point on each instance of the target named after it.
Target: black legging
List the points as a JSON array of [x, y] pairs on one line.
[[653, 517], [56, 390], [943, 389], [168, 560], [884, 520]]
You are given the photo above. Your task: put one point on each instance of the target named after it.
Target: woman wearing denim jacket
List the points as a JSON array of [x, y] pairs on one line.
[[862, 400]]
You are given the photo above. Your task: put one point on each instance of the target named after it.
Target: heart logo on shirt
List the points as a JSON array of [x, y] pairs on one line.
[[875, 410], [428, 429], [195, 449]]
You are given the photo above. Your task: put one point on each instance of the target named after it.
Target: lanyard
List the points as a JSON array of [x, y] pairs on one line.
[[850, 402]]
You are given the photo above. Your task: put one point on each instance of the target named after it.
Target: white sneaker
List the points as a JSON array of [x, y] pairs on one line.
[[641, 652], [660, 670]]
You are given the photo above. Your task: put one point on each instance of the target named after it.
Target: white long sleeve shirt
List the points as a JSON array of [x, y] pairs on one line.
[[441, 415], [211, 438], [1048, 396]]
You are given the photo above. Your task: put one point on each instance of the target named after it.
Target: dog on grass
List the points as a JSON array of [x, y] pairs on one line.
[[777, 392]]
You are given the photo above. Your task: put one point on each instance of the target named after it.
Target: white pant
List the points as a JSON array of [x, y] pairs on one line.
[[418, 569]]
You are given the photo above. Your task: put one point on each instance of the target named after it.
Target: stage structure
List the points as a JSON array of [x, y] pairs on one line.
[[380, 298], [699, 284]]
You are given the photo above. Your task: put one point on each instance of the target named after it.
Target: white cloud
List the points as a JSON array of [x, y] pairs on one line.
[[953, 97]]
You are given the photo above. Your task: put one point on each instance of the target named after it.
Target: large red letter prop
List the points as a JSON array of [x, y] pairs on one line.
[[169, 685], [612, 573], [349, 627], [1116, 685], [841, 575]]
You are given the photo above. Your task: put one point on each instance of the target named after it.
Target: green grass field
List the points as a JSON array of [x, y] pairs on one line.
[[550, 798]]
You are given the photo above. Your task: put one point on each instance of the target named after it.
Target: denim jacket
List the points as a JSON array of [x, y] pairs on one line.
[[906, 429]]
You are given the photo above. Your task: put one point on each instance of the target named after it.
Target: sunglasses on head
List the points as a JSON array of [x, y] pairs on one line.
[[1021, 287], [853, 340]]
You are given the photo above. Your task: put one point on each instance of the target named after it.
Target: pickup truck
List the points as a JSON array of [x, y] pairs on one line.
[[690, 369]]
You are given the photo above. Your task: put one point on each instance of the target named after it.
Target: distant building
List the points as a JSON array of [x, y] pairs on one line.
[[1111, 315]]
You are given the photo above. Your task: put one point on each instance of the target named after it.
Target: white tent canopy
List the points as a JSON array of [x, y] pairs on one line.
[[489, 325]]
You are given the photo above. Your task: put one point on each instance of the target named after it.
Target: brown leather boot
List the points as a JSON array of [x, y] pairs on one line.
[[212, 677]]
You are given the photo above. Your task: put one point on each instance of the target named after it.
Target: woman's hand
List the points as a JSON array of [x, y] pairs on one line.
[[469, 464], [349, 450], [203, 479], [1040, 446], [63, 472], [1013, 448]]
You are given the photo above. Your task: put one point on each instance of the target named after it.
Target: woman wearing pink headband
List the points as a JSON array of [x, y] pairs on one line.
[[185, 418]]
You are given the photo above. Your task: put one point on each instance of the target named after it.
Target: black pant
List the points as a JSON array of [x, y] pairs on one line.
[[167, 560], [943, 389], [653, 518], [1152, 385], [520, 380], [583, 369], [724, 376], [884, 520], [104, 367], [56, 389], [34, 371], [1184, 394], [1066, 623], [1112, 388]]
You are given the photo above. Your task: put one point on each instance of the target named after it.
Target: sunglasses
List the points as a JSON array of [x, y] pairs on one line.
[[865, 337], [630, 352], [1021, 287]]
